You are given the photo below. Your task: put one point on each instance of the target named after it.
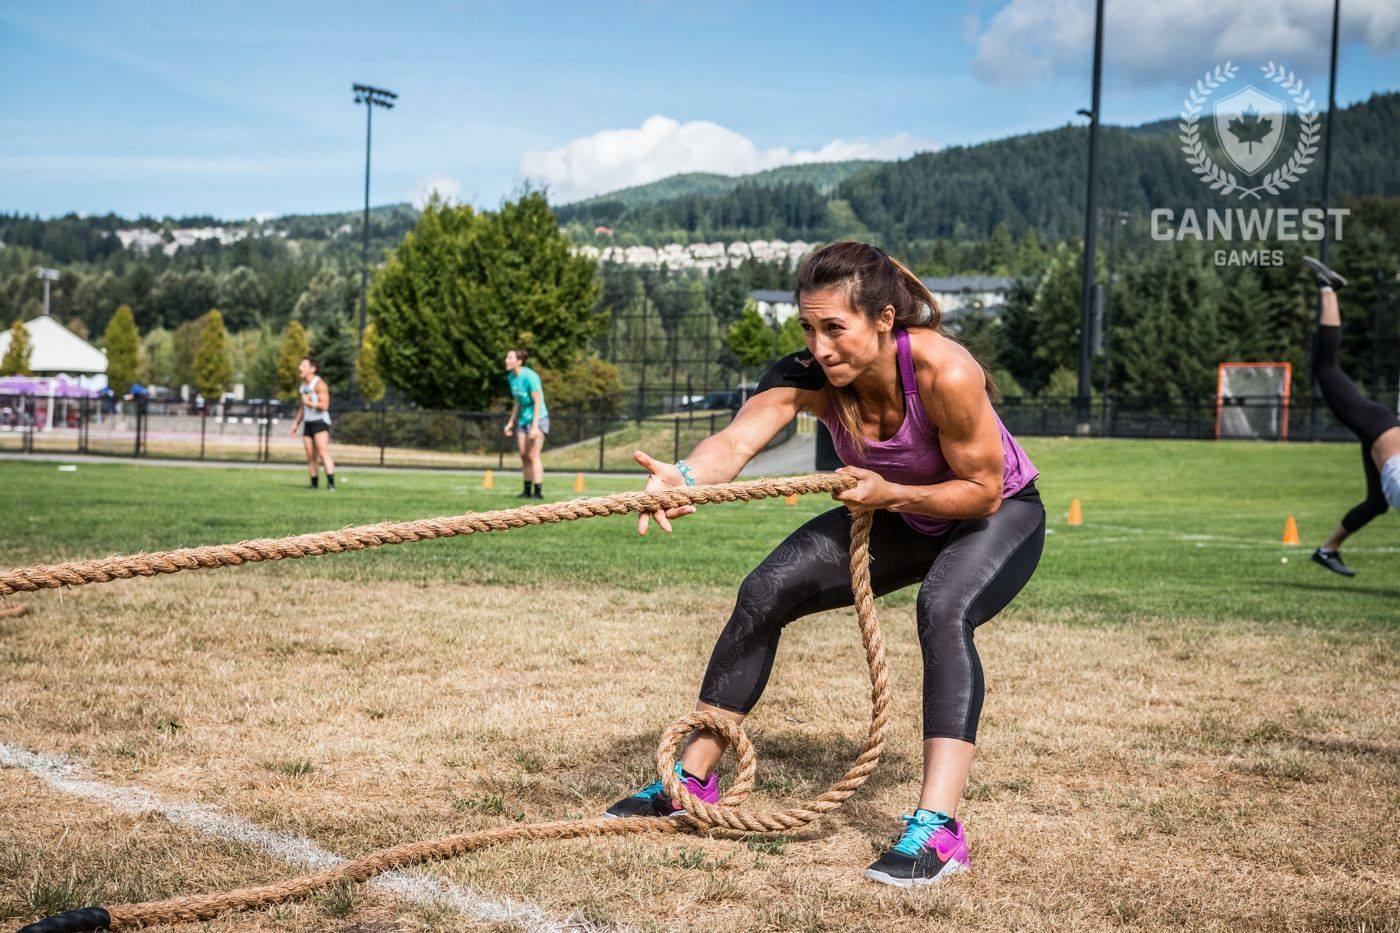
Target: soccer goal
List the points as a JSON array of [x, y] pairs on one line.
[[1251, 400]]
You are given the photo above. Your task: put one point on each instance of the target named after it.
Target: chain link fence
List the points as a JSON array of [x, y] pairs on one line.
[[585, 437]]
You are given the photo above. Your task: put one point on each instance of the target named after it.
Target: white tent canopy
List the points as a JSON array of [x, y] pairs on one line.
[[55, 349]]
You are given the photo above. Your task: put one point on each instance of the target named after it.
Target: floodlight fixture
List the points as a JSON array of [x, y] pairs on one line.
[[48, 275]]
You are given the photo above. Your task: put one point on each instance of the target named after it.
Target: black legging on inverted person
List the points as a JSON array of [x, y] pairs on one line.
[[1366, 419], [968, 575]]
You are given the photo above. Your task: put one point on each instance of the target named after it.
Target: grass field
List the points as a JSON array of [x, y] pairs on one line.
[[1181, 729]]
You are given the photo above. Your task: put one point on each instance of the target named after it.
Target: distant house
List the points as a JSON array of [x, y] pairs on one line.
[[954, 293], [57, 351], [603, 231], [775, 306]]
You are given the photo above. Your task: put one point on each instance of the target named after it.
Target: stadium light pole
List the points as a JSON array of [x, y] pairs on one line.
[[1086, 316], [1327, 138], [371, 97], [48, 275], [1116, 219], [1326, 192]]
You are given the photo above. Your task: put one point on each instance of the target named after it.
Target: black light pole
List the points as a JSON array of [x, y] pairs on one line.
[[1326, 192], [1327, 138], [1118, 219], [1086, 317], [371, 97]]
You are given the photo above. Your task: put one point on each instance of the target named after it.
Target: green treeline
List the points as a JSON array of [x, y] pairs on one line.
[[1031, 182]]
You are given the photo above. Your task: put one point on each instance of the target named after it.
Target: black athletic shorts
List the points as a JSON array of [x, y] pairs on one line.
[[312, 428]]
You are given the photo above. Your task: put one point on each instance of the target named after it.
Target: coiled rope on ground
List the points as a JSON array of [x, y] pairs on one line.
[[726, 816]]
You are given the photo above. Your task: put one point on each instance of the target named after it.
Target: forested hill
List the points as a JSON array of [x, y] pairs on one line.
[[1035, 181], [821, 175]]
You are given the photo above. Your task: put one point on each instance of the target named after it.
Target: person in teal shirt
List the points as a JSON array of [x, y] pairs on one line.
[[529, 421]]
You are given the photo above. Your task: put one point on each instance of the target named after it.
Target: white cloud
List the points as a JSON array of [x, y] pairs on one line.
[[661, 146], [1148, 43], [445, 187]]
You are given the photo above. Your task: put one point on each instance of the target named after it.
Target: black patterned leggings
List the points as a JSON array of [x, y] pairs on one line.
[[967, 576], [1368, 420]]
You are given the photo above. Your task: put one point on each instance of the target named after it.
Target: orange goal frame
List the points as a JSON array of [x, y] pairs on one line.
[[1220, 390]]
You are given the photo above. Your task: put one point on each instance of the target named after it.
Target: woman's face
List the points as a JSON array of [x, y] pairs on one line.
[[512, 360], [305, 369], [843, 342]]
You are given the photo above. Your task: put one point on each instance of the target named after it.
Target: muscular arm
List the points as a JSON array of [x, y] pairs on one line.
[[536, 403], [957, 404], [323, 396], [720, 457]]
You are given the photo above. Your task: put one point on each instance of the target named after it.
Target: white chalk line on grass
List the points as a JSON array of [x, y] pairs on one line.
[[1199, 540], [209, 820]]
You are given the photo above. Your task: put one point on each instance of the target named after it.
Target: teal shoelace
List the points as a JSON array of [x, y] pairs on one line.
[[656, 788], [918, 827]]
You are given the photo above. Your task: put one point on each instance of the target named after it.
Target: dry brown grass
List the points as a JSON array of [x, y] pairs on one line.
[[1131, 775]]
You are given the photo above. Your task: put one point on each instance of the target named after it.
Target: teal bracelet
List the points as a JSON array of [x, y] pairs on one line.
[[685, 472]]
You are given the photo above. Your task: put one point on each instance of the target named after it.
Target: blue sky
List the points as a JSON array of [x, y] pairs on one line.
[[238, 109]]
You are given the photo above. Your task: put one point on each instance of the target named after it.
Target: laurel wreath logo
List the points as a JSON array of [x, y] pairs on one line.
[[1224, 181]]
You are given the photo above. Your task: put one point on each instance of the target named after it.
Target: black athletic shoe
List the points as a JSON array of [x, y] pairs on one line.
[[1332, 560], [1326, 278], [930, 848], [525, 495]]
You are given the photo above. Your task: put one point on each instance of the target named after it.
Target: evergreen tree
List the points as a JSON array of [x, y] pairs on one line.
[[158, 359], [294, 350], [727, 295], [333, 349], [328, 297], [791, 336], [367, 377], [750, 340], [184, 344], [462, 288], [212, 369], [16, 361], [123, 345], [241, 299], [260, 373]]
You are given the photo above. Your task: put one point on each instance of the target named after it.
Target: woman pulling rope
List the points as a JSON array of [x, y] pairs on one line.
[[955, 509]]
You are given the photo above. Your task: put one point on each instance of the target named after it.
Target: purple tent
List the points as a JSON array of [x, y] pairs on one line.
[[46, 386]]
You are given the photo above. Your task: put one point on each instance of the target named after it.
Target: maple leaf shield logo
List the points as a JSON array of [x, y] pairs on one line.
[[1250, 125]]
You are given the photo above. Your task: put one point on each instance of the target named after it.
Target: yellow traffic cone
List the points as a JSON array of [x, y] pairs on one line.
[[578, 483], [1076, 515], [1290, 531], [791, 500], [489, 481]]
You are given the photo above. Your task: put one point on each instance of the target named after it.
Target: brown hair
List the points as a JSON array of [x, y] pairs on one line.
[[872, 280], [522, 355]]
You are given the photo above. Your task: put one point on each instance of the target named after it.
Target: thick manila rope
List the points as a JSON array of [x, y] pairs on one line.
[[724, 817]]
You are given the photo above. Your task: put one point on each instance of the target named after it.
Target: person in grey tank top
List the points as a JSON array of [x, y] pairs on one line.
[[955, 507], [314, 417]]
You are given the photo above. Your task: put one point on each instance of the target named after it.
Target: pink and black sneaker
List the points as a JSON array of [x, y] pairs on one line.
[[652, 800], [931, 847]]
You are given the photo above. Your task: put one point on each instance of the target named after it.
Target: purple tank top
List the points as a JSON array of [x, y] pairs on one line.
[[913, 456]]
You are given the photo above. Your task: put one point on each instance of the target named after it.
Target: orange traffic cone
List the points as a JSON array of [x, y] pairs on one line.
[[791, 500], [578, 483], [488, 481], [1076, 515], [1290, 531]]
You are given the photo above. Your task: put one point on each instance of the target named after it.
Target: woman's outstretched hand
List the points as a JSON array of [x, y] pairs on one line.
[[663, 476]]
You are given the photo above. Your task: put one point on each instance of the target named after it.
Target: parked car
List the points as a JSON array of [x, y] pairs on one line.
[[723, 400]]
